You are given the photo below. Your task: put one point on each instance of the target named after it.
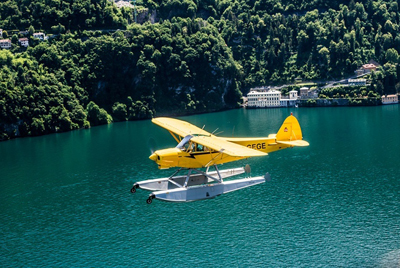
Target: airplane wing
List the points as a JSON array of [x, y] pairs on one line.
[[205, 138], [179, 127], [226, 147]]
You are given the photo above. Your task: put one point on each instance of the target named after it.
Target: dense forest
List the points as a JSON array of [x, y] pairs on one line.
[[180, 56]]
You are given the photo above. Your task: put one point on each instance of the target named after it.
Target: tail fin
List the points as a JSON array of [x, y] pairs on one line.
[[290, 133]]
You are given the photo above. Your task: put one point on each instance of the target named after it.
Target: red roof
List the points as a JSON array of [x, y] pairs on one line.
[[369, 66]]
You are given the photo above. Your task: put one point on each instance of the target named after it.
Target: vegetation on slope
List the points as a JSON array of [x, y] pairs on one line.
[[72, 82], [197, 57]]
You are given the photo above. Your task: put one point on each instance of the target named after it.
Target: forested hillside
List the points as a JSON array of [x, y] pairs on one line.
[[182, 56]]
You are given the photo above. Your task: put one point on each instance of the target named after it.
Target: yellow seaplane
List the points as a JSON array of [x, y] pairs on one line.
[[198, 149]]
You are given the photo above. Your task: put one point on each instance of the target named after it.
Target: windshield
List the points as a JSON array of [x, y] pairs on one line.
[[184, 141]]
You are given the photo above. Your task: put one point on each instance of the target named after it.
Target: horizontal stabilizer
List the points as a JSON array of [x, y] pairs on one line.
[[294, 143]]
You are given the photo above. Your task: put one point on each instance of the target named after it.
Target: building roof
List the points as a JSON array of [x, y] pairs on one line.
[[23, 39], [264, 92], [374, 63], [5, 41], [369, 66], [389, 96]]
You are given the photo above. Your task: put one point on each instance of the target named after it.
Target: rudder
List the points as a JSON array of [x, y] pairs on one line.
[[290, 130]]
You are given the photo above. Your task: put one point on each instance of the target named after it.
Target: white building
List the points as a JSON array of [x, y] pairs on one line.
[[265, 99], [1, 33], [40, 36], [312, 94], [5, 43], [24, 42], [291, 101], [357, 82], [293, 95], [390, 99], [304, 92]]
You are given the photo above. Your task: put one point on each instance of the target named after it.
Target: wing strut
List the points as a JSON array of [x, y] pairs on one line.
[[209, 163], [173, 135], [212, 160]]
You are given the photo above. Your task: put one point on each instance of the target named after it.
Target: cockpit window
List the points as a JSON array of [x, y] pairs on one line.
[[183, 142], [188, 146], [199, 148]]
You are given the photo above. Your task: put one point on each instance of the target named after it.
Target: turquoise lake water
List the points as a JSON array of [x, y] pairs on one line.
[[65, 199]]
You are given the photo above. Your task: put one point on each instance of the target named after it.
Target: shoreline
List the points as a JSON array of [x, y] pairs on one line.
[[302, 103], [332, 102]]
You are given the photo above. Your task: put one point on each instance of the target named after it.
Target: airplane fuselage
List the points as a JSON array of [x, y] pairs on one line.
[[174, 157], [265, 145]]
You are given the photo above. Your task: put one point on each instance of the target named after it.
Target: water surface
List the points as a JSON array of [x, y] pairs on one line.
[[65, 199]]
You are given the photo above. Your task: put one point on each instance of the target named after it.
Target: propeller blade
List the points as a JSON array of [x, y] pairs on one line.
[[151, 143]]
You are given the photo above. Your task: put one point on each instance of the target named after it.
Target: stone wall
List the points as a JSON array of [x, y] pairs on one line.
[[339, 102]]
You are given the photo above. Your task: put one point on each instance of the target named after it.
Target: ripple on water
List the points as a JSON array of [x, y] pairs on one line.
[[335, 203]]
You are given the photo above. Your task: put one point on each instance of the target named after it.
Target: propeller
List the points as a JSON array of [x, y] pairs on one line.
[[151, 143]]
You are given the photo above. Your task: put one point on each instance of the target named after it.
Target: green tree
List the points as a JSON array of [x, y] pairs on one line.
[[14, 39], [119, 111], [392, 55], [96, 115], [31, 30]]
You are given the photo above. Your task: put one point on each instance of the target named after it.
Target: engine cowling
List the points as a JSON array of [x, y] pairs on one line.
[[166, 158]]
